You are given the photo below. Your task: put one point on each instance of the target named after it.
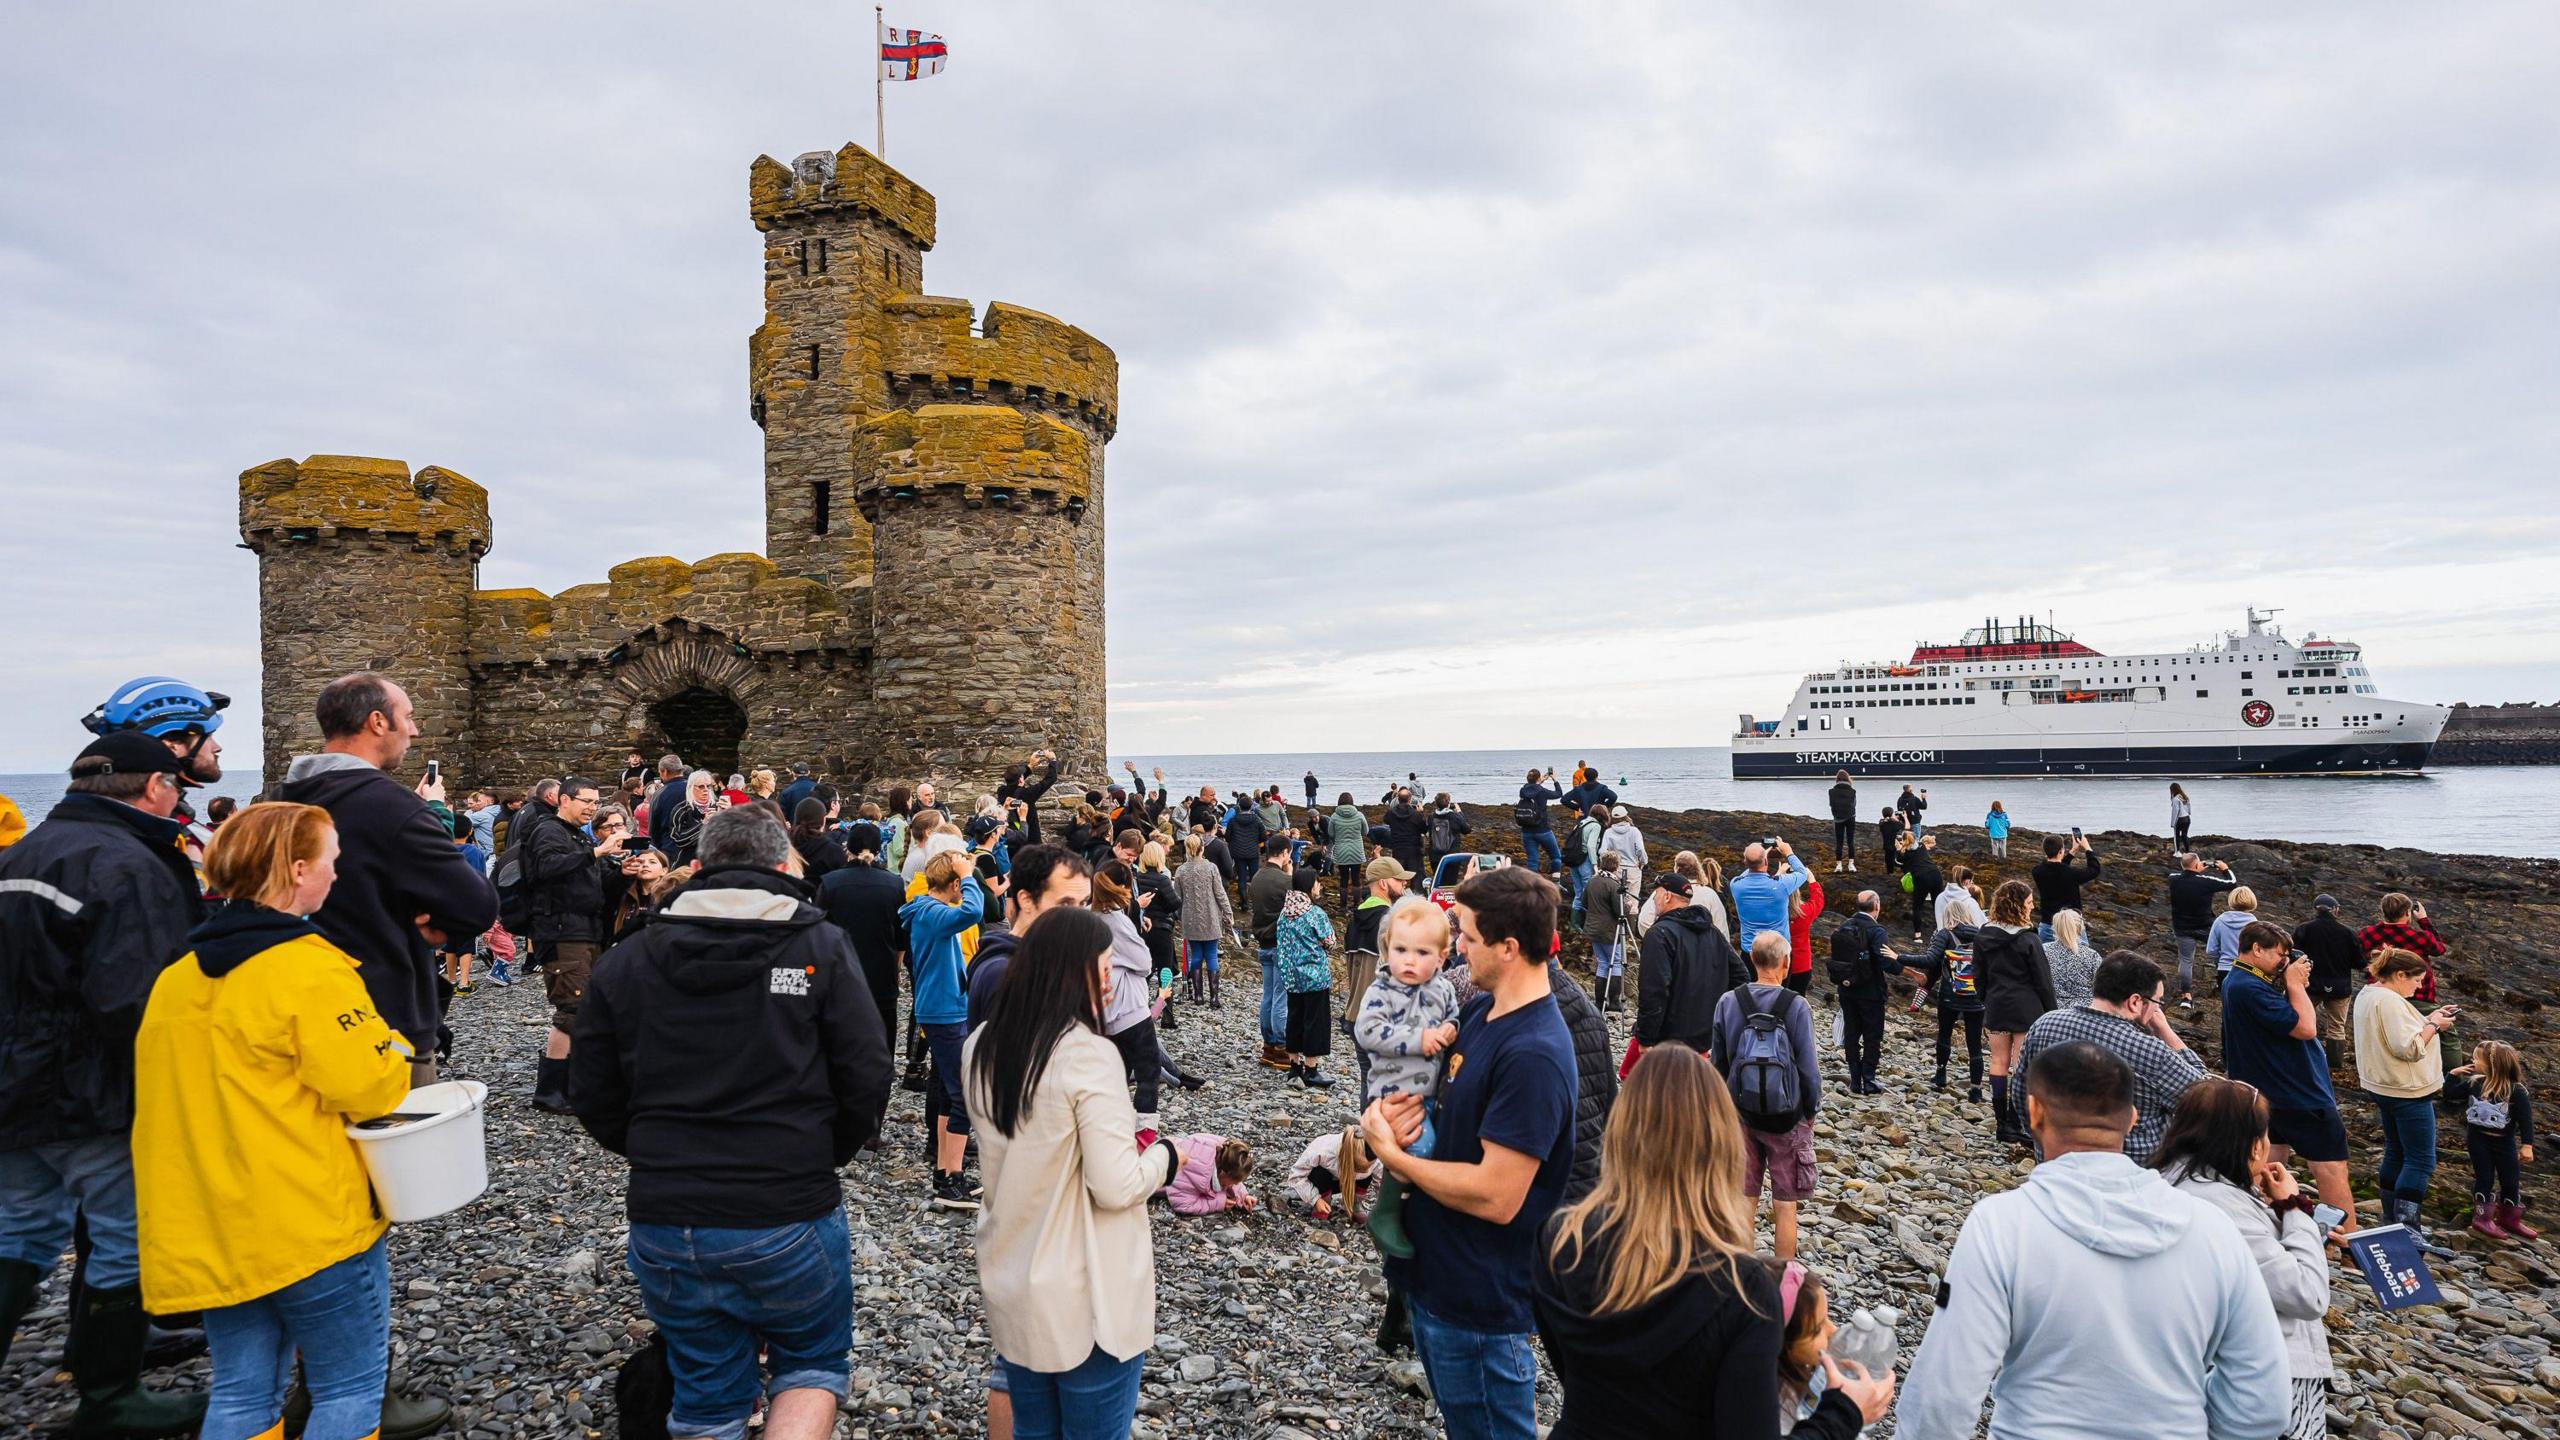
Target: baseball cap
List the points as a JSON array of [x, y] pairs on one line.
[[1386, 867], [979, 827], [2325, 902], [1673, 881], [128, 752]]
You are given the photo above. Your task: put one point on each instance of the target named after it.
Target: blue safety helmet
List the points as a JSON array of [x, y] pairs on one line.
[[158, 705]]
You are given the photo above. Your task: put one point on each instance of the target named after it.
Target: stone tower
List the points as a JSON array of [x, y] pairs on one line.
[[929, 605], [364, 566], [842, 234]]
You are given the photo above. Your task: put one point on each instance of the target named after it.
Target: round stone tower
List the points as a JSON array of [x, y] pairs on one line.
[[842, 234], [984, 647], [364, 566]]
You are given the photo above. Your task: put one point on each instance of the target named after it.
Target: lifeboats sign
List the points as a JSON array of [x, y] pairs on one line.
[[2257, 714], [1836, 758]]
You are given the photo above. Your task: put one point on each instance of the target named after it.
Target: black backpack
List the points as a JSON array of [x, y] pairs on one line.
[[1574, 851], [1531, 814], [1762, 1073], [1444, 831], [515, 890]]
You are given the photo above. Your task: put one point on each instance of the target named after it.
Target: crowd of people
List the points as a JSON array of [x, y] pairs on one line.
[[731, 968]]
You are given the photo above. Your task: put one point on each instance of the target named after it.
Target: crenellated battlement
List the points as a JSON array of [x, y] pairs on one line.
[[739, 595], [980, 456], [963, 632], [819, 183], [935, 351], [328, 497]]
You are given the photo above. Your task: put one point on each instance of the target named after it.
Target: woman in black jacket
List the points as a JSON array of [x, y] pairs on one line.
[[1656, 1325], [2017, 987], [821, 854], [1947, 967]]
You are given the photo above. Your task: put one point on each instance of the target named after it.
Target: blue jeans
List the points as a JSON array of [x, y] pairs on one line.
[[2044, 931], [1580, 877], [2408, 1144], [715, 1294], [339, 1319], [1201, 955], [1275, 999], [1605, 960], [1097, 1400], [1486, 1385], [43, 1188], [1533, 841]]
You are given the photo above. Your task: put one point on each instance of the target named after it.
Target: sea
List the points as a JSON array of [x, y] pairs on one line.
[[2471, 810]]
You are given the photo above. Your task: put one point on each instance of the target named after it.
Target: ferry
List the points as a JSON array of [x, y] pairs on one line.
[[2025, 699]]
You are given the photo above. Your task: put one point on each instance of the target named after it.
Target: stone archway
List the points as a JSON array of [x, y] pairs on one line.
[[690, 688], [706, 727]]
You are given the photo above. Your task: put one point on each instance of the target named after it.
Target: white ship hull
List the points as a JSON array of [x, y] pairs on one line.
[[2027, 701]]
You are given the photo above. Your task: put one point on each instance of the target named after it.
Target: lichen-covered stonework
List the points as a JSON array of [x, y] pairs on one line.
[[930, 599]]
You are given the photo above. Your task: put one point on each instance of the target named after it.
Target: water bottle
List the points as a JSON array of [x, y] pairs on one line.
[[1869, 1339]]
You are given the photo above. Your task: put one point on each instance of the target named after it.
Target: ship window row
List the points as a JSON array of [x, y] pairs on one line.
[[1872, 704], [2327, 689], [2311, 673]]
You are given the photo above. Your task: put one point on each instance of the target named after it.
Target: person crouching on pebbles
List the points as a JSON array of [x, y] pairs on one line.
[[1211, 1181], [1333, 1168], [1408, 1017]]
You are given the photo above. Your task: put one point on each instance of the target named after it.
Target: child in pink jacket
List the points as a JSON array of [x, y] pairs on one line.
[[1212, 1176]]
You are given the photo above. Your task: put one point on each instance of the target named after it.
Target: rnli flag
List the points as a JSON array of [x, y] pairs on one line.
[[910, 54]]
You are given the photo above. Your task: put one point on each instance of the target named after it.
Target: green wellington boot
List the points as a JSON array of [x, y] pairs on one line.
[[104, 1356], [19, 1282]]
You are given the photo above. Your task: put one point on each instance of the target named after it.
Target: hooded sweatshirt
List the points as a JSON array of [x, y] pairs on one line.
[[732, 1052], [258, 1047], [934, 953], [2092, 1284], [396, 861]]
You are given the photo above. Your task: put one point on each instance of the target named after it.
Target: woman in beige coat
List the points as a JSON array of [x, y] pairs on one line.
[[1064, 1257]]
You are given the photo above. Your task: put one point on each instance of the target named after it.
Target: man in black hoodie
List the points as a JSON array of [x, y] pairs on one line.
[[1860, 963], [403, 887], [1685, 966], [2337, 958], [731, 1052]]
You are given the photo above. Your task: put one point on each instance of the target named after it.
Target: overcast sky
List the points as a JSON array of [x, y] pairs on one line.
[[1492, 375]]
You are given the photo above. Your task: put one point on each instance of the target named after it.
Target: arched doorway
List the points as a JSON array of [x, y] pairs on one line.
[[704, 727]]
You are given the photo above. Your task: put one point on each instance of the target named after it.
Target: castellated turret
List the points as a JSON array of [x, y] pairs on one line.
[[929, 604], [364, 566]]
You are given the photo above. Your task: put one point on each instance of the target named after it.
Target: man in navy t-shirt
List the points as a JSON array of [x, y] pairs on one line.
[[1503, 1148], [2271, 1040]]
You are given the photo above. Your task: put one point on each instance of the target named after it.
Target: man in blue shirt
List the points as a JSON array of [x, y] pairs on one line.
[[1502, 1152], [2271, 1040], [1759, 897]]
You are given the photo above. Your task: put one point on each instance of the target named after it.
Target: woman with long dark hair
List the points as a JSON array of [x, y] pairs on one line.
[[1658, 1320], [1065, 1263], [821, 854], [2181, 815], [2216, 1149], [2017, 986]]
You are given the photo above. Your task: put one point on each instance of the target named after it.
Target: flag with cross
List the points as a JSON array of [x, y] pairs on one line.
[[910, 54]]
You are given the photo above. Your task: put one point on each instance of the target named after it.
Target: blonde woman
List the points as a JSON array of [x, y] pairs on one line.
[[1655, 1314], [257, 1049], [2222, 943], [2071, 959]]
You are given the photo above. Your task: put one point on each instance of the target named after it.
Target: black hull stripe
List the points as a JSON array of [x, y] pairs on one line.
[[2031, 761]]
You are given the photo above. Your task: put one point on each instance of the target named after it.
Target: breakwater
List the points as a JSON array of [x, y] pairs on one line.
[[2500, 735]]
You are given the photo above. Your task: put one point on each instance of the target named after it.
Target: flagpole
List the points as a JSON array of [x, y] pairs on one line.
[[879, 91]]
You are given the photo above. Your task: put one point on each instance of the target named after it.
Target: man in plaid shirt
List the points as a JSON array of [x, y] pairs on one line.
[[2404, 926], [2124, 1017]]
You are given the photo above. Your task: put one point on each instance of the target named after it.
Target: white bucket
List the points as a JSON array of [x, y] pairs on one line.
[[425, 1168]]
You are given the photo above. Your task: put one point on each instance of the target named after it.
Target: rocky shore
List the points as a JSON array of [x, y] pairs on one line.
[[519, 1308]]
